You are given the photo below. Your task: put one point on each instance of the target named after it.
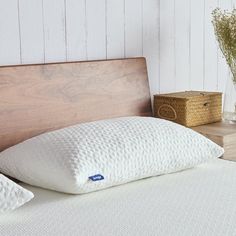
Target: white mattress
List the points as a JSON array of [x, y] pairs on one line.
[[199, 201]]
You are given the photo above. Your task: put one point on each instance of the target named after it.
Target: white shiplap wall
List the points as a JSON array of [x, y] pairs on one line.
[[176, 37], [189, 54]]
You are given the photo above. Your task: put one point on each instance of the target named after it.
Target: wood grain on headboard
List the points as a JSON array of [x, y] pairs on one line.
[[38, 98]]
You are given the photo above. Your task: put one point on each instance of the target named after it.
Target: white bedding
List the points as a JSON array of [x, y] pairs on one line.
[[199, 201]]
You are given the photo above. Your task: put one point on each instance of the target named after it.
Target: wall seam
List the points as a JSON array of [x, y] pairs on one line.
[[190, 45], [204, 45], [159, 45], [44, 43], [218, 61], [19, 29], [142, 18], [174, 42], [86, 28], [124, 28], [106, 31], [65, 30]]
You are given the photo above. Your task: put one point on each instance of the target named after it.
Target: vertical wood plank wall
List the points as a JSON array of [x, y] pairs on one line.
[[176, 37]]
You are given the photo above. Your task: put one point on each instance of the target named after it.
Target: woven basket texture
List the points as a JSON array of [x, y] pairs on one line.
[[190, 108]]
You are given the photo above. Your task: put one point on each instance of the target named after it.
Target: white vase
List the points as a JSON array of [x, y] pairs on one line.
[[229, 108]]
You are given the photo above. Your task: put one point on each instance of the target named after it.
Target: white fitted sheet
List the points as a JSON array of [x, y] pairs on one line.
[[199, 201]]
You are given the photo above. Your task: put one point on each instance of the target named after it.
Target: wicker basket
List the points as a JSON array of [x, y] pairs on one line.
[[191, 108]]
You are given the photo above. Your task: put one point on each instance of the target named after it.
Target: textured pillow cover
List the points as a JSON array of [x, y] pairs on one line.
[[97, 155], [12, 195]]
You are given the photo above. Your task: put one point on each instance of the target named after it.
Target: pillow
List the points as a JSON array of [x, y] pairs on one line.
[[97, 155], [12, 195]]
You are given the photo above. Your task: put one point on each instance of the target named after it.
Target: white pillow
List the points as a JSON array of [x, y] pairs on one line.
[[101, 154], [12, 195]]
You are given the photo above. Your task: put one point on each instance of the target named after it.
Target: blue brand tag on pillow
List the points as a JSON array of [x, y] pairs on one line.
[[97, 177]]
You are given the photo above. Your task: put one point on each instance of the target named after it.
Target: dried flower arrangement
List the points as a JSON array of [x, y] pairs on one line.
[[225, 30]]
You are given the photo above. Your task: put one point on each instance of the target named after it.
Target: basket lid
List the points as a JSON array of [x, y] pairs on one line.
[[188, 94]]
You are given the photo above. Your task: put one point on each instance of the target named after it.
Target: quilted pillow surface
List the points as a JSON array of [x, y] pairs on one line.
[[97, 155], [12, 195]]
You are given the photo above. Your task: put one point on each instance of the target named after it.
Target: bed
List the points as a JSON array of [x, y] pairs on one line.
[[200, 201], [38, 98]]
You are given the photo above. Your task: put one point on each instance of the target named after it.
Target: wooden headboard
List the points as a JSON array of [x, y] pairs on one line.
[[38, 98]]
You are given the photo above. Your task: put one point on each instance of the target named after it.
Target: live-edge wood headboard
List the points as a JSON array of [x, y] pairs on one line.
[[38, 98]]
